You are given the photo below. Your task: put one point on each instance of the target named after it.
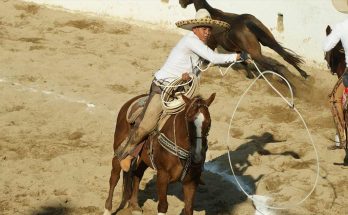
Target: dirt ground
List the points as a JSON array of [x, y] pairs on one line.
[[63, 78]]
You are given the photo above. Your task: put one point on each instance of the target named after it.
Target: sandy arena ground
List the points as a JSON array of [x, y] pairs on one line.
[[64, 76]]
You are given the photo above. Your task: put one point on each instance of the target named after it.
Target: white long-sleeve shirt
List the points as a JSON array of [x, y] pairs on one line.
[[186, 54], [339, 32]]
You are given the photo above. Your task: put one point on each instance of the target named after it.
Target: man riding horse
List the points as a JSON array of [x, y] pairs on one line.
[[338, 97], [184, 58]]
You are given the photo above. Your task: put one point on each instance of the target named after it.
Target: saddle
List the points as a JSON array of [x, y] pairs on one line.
[[136, 108], [133, 117]]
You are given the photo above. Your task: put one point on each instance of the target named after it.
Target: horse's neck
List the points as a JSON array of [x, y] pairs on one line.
[[215, 13]]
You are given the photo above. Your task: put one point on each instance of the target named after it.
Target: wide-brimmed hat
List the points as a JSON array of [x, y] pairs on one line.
[[341, 5], [203, 18]]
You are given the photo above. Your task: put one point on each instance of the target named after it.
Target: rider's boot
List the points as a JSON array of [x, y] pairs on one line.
[[126, 163], [125, 154]]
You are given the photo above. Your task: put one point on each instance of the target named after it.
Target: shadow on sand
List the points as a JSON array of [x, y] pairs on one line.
[[52, 210]]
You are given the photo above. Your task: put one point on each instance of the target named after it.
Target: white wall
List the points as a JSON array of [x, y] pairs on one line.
[[304, 20]]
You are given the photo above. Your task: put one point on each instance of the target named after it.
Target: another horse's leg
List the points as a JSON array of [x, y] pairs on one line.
[[162, 187], [189, 189], [266, 64], [249, 43], [138, 175], [115, 176]]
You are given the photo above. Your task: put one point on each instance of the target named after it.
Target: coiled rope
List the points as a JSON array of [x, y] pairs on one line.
[[292, 106], [172, 101]]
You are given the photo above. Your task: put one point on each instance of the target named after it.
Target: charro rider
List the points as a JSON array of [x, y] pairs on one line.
[[338, 97], [188, 52]]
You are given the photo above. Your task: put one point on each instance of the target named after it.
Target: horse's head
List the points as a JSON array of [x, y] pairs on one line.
[[198, 123], [184, 3], [335, 58]]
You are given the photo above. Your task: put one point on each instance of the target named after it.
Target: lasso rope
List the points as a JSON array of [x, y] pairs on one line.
[[174, 105], [292, 106]]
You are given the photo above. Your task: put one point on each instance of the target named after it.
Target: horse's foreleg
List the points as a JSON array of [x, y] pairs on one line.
[[138, 175], [162, 187], [189, 189], [115, 176]]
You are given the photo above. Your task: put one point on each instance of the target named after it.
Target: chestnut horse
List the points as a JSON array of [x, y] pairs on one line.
[[177, 152], [246, 34]]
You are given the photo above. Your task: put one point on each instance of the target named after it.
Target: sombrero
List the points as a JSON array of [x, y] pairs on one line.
[[203, 18], [341, 5]]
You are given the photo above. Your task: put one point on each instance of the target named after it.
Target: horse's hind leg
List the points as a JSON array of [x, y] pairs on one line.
[[115, 176], [249, 74], [138, 175], [268, 65]]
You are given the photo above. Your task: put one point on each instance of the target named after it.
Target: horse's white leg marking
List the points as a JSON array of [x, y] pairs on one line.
[[107, 212], [198, 123], [161, 214]]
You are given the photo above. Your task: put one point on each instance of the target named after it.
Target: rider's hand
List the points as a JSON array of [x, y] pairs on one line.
[[238, 56], [185, 76]]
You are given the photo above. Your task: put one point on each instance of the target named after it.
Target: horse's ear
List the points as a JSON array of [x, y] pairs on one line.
[[210, 99], [186, 100], [328, 30]]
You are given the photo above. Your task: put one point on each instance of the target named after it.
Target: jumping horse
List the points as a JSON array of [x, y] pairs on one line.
[[335, 59], [177, 151], [246, 34]]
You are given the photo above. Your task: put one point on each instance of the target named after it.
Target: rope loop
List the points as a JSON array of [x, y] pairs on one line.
[[172, 101], [292, 106]]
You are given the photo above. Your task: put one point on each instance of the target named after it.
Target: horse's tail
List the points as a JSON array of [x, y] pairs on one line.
[[127, 187], [266, 38]]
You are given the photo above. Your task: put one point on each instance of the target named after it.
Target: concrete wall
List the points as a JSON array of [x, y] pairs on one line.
[[304, 20]]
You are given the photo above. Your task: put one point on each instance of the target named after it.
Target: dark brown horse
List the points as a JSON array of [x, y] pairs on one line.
[[246, 34], [177, 152], [335, 58]]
